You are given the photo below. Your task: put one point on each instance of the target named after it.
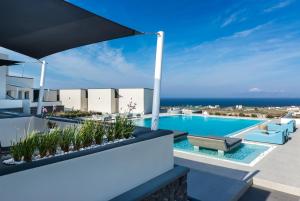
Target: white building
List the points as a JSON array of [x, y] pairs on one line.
[[18, 93], [74, 99], [139, 98], [108, 100], [103, 100]]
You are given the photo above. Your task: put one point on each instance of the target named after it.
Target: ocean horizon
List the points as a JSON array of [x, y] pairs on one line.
[[227, 102]]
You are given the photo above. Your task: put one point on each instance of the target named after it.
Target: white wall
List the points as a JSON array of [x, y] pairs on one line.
[[13, 129], [3, 72], [95, 177], [139, 96], [102, 100], [9, 104], [71, 98]]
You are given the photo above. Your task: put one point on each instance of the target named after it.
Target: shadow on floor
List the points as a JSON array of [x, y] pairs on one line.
[[256, 193]]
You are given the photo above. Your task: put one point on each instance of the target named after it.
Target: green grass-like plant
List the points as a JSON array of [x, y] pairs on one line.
[[42, 145], [128, 128], [76, 140], [119, 128], [66, 138], [99, 132], [110, 132], [28, 146], [16, 151], [87, 133], [53, 140]]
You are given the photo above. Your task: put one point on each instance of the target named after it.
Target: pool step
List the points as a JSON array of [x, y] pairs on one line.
[[178, 135]]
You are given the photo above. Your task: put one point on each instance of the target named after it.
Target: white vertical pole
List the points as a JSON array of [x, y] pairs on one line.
[[157, 80], [41, 92]]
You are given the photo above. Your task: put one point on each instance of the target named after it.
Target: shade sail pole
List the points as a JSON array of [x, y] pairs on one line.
[[157, 80], [41, 92]]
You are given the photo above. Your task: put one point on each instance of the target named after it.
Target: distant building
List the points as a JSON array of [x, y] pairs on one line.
[[238, 107], [137, 99], [74, 99], [134, 100], [103, 100], [17, 93]]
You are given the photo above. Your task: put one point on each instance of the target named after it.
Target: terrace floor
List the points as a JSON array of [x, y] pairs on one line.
[[278, 170]]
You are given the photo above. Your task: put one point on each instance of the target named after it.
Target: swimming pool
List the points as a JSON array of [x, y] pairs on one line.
[[201, 125], [244, 154]]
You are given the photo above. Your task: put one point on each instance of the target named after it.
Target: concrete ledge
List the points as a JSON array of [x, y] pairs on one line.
[[143, 191]]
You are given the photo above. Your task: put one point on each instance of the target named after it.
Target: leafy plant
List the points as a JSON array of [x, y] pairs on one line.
[[53, 140], [42, 145], [66, 138], [16, 151], [87, 133], [99, 133]]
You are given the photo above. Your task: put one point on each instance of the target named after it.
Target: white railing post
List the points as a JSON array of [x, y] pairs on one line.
[[41, 92], [157, 80]]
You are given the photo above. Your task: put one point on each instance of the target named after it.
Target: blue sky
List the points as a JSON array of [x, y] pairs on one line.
[[213, 48]]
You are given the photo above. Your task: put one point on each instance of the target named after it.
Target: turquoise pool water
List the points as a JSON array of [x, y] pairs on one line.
[[200, 125], [245, 154]]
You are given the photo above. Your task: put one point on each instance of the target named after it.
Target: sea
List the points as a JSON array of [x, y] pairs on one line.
[[227, 102]]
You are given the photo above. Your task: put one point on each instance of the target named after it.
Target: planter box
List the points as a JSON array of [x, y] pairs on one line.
[[97, 174]]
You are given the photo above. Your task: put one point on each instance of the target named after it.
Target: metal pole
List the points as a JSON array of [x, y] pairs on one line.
[[41, 92], [157, 80]]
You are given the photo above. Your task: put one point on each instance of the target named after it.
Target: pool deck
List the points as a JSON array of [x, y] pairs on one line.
[[279, 170]]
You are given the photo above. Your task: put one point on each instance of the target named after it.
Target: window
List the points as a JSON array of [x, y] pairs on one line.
[[26, 95], [8, 93], [86, 94], [20, 95]]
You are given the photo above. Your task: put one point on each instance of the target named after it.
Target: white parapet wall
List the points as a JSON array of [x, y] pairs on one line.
[[10, 104], [99, 176], [14, 129]]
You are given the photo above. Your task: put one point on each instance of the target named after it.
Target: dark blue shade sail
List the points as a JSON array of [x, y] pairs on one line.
[[38, 28]]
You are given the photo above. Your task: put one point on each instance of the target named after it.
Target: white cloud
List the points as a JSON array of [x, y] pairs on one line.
[[226, 66], [255, 90], [234, 17], [279, 5], [99, 64]]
